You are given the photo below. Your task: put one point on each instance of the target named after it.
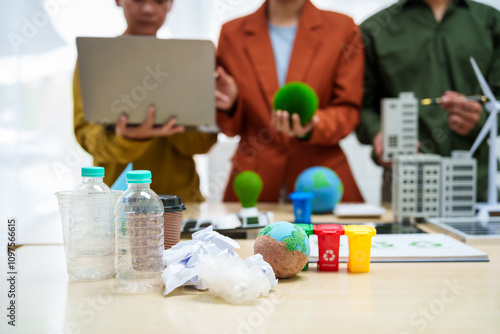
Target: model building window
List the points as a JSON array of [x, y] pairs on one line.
[[462, 198], [462, 178], [462, 208], [462, 188], [393, 141], [462, 168]]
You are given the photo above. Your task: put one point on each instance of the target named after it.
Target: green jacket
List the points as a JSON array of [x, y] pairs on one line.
[[408, 51]]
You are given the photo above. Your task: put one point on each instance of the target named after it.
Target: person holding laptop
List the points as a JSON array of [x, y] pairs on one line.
[[167, 151], [286, 41]]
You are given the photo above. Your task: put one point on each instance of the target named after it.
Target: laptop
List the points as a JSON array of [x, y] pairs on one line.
[[128, 74]]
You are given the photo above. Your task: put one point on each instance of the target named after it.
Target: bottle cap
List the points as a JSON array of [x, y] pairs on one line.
[[139, 176], [92, 171], [172, 203]]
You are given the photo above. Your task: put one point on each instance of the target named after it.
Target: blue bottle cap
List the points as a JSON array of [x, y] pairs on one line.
[[92, 171], [139, 176]]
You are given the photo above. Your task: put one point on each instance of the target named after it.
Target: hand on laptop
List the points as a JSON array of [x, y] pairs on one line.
[[147, 129], [226, 90]]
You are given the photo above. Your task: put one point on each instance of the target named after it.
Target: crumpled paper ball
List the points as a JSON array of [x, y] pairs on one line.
[[209, 262]]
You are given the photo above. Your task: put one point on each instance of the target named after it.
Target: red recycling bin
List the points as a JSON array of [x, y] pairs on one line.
[[328, 244]]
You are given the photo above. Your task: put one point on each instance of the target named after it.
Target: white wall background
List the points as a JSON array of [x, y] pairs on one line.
[[38, 152]]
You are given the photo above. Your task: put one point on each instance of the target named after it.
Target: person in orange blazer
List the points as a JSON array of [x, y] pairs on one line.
[[328, 55]]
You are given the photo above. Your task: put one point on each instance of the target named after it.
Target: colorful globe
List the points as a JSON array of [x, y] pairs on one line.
[[285, 247], [326, 186]]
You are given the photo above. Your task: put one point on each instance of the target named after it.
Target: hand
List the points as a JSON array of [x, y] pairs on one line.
[[147, 129], [378, 148], [226, 90], [280, 120], [463, 115]]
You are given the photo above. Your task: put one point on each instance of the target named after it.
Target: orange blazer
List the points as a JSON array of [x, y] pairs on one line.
[[328, 55]]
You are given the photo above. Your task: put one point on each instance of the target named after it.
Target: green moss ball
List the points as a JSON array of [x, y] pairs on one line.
[[297, 98]]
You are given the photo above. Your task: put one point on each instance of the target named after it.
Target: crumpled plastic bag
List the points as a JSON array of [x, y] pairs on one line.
[[209, 262], [233, 279]]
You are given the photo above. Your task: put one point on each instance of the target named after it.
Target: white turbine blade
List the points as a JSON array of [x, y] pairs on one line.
[[482, 81], [483, 133]]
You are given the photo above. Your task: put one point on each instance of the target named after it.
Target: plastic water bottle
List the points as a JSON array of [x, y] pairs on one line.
[[89, 227], [92, 182], [139, 236]]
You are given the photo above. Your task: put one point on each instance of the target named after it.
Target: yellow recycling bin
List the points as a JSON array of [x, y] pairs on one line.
[[360, 241]]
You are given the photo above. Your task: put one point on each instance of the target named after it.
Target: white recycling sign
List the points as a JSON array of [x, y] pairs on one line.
[[360, 256], [329, 255]]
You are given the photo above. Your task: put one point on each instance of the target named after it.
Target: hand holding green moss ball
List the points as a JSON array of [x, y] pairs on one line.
[[297, 98]]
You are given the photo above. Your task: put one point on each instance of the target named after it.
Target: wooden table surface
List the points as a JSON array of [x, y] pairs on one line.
[[393, 298]]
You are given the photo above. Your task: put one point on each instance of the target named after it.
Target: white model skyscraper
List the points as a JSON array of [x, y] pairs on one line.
[[428, 185], [400, 125], [458, 185], [415, 187]]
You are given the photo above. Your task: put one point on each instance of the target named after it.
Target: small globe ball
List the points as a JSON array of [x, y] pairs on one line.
[[285, 247], [326, 186]]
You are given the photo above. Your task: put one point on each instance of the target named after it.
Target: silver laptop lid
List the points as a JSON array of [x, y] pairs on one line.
[[128, 74]]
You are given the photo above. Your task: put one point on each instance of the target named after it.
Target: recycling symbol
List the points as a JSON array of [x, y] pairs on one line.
[[329, 258], [360, 256]]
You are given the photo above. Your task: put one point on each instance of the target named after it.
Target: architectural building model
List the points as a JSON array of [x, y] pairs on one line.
[[400, 125], [428, 185], [458, 185]]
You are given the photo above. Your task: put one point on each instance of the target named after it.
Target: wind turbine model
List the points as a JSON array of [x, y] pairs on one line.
[[491, 126]]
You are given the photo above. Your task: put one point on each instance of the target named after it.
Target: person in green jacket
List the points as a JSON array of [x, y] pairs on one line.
[[167, 151], [424, 46]]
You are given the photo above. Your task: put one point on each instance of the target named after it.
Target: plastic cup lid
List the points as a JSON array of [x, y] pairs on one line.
[[92, 171], [172, 203]]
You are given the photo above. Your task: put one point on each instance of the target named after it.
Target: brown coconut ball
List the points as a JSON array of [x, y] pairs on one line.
[[285, 263]]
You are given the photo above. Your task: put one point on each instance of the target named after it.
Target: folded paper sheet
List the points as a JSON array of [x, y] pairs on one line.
[[209, 262]]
